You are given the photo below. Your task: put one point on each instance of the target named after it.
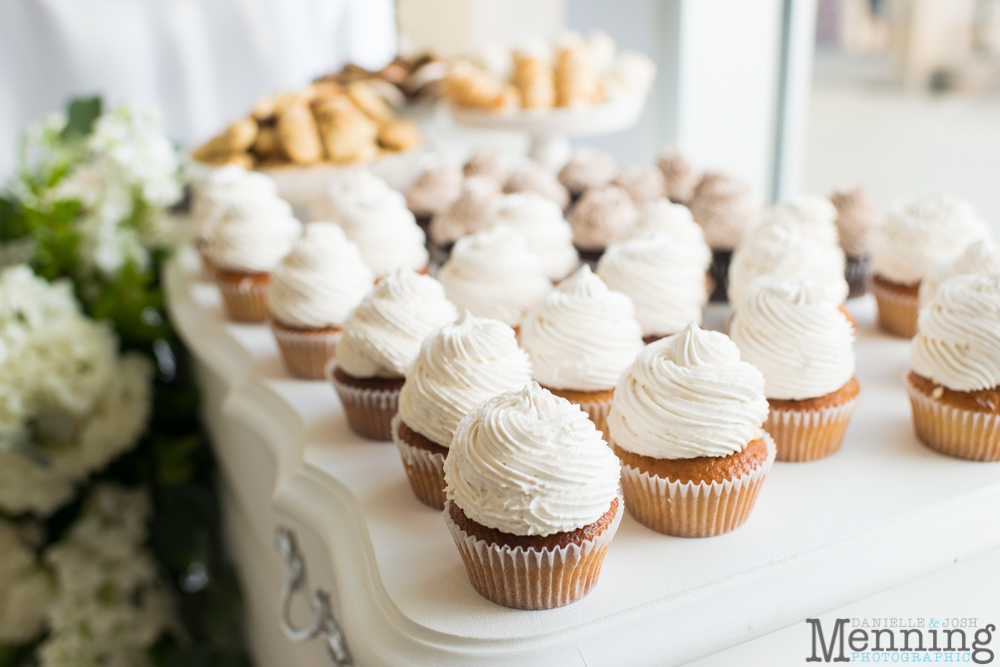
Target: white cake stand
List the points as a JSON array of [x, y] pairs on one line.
[[550, 129]]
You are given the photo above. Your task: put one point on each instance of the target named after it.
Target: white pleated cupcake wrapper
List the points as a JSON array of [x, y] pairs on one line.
[[964, 434], [245, 301], [533, 578], [897, 313], [306, 353], [598, 412], [424, 469], [693, 509], [369, 411], [807, 435]]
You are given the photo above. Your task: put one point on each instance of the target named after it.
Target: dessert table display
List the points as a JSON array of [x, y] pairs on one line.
[[882, 510]]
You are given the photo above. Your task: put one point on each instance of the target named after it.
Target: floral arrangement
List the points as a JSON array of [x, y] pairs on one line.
[[109, 536]]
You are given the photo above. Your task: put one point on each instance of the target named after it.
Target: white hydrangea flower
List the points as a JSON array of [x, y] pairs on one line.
[[26, 590]]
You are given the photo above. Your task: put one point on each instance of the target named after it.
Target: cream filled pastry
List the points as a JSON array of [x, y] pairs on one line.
[[387, 235], [680, 178], [582, 336], [600, 216], [435, 190], [687, 396], [320, 281], [254, 239], [530, 463], [588, 168], [529, 176], [382, 336], [492, 274], [726, 208], [664, 277], [857, 216], [981, 256], [643, 183], [469, 214], [541, 223]]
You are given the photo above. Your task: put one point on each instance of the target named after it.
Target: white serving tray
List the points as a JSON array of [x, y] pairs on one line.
[[881, 511]]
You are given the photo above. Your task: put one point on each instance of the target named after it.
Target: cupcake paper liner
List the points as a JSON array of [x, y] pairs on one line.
[[369, 411], [856, 271], [533, 578], [424, 469], [690, 509], [897, 313], [807, 435], [963, 434], [306, 353], [245, 301]]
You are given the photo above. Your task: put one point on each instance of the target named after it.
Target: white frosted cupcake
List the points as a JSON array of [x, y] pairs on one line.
[[381, 338], [387, 235], [954, 384], [541, 223], [313, 290], [804, 345], [687, 427], [580, 339], [459, 366], [905, 248], [224, 188], [663, 216], [532, 499], [981, 256], [469, 214], [492, 274], [664, 277], [352, 188]]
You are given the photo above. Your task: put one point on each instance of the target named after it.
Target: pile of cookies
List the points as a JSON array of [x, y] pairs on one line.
[[326, 122], [415, 78]]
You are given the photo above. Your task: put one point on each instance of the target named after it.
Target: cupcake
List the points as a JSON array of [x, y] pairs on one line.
[[381, 338], [433, 192], [687, 427], [580, 339], [814, 217], [387, 235], [857, 216], [804, 346], [726, 208], [598, 218], [643, 183], [664, 277], [587, 168], [532, 499], [542, 224], [492, 274], [313, 290], [354, 187], [954, 384], [981, 256], [469, 214], [680, 178], [459, 366], [663, 216], [904, 249], [529, 176], [247, 244], [487, 162]]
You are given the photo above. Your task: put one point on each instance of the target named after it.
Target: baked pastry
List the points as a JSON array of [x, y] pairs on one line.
[[643, 183], [598, 218], [298, 132], [804, 345], [387, 235], [459, 366], [954, 384], [532, 499], [381, 338], [541, 223], [433, 192], [665, 278], [587, 168], [857, 216], [580, 339], [529, 176], [313, 290], [532, 76], [399, 134], [227, 147], [492, 274], [680, 178], [247, 244], [905, 248], [469, 85], [469, 214], [687, 428], [577, 83], [980, 256], [727, 209], [486, 161]]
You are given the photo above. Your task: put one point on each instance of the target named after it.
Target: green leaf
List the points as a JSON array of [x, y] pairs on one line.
[[176, 458], [83, 112]]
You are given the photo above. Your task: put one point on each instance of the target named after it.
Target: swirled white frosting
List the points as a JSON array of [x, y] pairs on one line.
[[529, 176], [527, 462], [492, 274], [673, 219], [321, 280], [435, 190], [981, 256], [382, 336], [541, 223], [600, 216], [582, 336], [643, 183], [922, 233], [799, 339], [958, 334], [356, 187], [459, 366], [687, 396], [726, 208], [254, 241], [224, 188], [387, 235], [783, 250], [470, 213], [588, 168], [665, 280], [815, 217]]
